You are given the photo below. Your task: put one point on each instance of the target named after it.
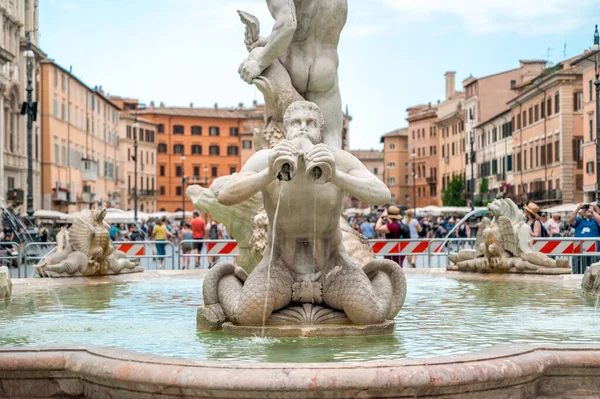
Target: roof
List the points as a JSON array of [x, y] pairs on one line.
[[403, 131], [500, 73], [367, 155], [586, 55], [217, 113], [504, 111], [133, 118]]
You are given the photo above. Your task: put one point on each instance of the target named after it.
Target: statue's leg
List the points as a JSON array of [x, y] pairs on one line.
[[538, 259], [76, 261], [264, 292], [330, 102], [346, 287]]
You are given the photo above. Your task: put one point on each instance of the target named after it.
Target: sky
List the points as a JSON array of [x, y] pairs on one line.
[[393, 53]]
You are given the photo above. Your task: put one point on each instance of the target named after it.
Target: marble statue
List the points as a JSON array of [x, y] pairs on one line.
[[87, 251], [305, 265], [591, 280], [504, 245], [298, 60], [5, 283]]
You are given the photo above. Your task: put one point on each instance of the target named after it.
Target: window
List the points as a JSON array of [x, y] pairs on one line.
[[213, 131], [536, 113], [518, 121], [161, 190], [178, 171], [375, 171], [162, 170], [590, 90], [543, 155], [234, 131], [64, 82], [518, 161], [577, 101], [578, 151], [178, 149], [196, 149], [530, 115], [232, 150], [161, 129], [129, 154], [162, 148], [591, 129], [232, 170], [406, 179], [178, 190], [197, 171], [537, 156], [391, 181], [557, 152], [524, 119], [589, 167], [391, 165], [213, 150], [549, 107], [392, 146], [543, 109], [525, 159], [579, 182], [246, 144], [56, 154], [196, 130], [549, 153], [214, 171], [531, 158], [509, 165], [128, 132], [178, 129], [556, 103]]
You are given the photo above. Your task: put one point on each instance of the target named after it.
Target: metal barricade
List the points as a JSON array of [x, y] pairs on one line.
[[147, 253], [10, 256], [225, 250], [33, 254]]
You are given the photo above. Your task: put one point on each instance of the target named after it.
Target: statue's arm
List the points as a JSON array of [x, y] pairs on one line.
[[358, 181], [284, 13], [253, 177]]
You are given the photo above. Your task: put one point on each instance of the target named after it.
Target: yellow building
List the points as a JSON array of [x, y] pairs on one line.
[[548, 137], [80, 139]]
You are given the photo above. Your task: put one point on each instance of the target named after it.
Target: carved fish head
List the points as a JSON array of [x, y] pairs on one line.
[[99, 215]]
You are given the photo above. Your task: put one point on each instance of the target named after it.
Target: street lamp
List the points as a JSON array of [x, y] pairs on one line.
[[596, 49], [414, 183], [182, 190], [29, 107], [136, 125], [472, 159]]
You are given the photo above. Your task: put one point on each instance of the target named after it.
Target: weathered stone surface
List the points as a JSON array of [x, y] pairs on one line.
[[504, 245], [591, 280], [307, 330], [505, 371], [5, 283]]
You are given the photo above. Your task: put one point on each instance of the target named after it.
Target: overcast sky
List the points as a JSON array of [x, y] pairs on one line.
[[393, 53]]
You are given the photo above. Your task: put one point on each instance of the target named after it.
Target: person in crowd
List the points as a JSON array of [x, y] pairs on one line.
[[214, 231], [532, 217], [366, 228], [544, 220], [463, 231], [198, 226], [160, 233], [114, 232], [187, 235], [390, 224], [414, 229], [554, 225], [585, 227], [44, 235]]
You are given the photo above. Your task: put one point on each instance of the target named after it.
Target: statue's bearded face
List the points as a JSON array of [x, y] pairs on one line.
[[304, 123]]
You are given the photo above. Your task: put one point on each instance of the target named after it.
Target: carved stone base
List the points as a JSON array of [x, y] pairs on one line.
[[41, 271], [317, 330], [590, 284]]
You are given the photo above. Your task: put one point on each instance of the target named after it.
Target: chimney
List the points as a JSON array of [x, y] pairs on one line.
[[162, 104], [450, 76], [241, 105], [191, 105], [151, 104], [216, 106]]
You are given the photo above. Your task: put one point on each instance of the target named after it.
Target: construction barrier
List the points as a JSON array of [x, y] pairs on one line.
[[132, 249], [221, 249]]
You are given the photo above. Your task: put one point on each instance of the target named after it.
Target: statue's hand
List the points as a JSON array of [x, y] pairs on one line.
[[250, 69], [251, 45], [283, 149], [322, 153]]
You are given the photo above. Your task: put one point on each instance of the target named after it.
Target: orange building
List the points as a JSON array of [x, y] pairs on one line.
[[548, 137], [397, 171], [198, 144], [80, 155], [423, 145]]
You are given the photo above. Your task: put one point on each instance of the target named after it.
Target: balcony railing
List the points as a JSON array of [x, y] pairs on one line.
[[89, 172], [431, 180], [15, 195], [89, 198], [144, 193], [549, 195], [61, 196]]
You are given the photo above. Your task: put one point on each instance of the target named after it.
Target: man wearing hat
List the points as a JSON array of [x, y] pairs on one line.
[[586, 227], [389, 224]]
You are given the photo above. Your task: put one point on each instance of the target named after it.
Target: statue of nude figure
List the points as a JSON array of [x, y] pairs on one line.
[[304, 207], [304, 39]]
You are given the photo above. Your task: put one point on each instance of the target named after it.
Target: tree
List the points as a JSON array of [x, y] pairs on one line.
[[453, 195]]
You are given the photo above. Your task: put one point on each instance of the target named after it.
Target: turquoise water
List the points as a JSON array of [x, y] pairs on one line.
[[441, 316]]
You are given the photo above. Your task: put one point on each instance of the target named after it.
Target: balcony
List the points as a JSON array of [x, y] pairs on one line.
[[500, 176], [431, 181], [15, 195], [61, 196], [144, 193], [545, 196], [89, 198], [89, 172]]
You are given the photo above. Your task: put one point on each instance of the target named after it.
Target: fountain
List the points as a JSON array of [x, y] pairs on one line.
[[5, 283], [590, 284]]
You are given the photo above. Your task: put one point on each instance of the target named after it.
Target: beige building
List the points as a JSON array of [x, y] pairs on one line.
[[485, 98], [372, 159], [586, 64], [548, 137], [397, 171], [423, 143], [450, 127], [17, 18], [80, 143], [130, 130]]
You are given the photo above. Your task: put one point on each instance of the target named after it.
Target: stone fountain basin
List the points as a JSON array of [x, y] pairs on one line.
[[508, 370]]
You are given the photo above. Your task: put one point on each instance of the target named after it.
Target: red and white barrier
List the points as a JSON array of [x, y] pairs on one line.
[[132, 249], [565, 247], [400, 248], [222, 248]]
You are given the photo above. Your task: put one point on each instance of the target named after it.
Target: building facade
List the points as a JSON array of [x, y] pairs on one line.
[[397, 171], [198, 144], [17, 18], [548, 137], [423, 143], [80, 143]]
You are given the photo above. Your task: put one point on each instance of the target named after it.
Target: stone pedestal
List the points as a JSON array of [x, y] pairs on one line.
[[5, 283]]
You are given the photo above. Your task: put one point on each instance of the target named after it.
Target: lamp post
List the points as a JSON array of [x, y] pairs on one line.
[[135, 163], [182, 190], [596, 48], [206, 186], [472, 159], [414, 156], [31, 108]]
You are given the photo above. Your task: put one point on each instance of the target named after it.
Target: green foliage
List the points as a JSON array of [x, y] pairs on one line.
[[453, 195], [484, 186]]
